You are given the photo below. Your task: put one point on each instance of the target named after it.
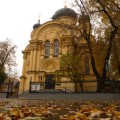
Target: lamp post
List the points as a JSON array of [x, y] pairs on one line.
[[30, 85], [8, 89]]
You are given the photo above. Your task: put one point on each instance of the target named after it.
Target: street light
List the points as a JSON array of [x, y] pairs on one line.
[[8, 89]]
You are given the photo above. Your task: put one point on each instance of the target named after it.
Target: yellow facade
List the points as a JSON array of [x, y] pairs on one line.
[[37, 61]]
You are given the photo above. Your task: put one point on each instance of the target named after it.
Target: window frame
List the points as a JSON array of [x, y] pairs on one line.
[[56, 48], [47, 49]]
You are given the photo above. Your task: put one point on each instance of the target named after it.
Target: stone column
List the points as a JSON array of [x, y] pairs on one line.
[[51, 50], [31, 60], [38, 60], [42, 49], [24, 64], [34, 59], [27, 84], [21, 86]]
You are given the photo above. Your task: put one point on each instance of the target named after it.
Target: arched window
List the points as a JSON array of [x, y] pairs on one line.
[[47, 48], [56, 48], [87, 67]]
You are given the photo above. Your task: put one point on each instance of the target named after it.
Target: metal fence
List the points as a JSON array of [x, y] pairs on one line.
[[68, 86], [11, 89], [65, 86], [3, 87]]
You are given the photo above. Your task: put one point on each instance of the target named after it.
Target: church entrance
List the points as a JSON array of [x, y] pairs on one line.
[[49, 83]]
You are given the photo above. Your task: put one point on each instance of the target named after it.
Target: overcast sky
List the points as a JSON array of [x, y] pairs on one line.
[[17, 18]]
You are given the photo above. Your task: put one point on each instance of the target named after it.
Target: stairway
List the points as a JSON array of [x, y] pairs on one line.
[[37, 94]]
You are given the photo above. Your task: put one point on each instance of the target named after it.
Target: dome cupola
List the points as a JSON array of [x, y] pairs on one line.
[[36, 25], [64, 12]]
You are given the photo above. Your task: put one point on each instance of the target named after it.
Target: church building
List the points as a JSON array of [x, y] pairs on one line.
[[41, 57]]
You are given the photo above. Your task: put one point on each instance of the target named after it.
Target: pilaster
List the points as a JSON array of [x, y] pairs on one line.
[[31, 60], [24, 64], [34, 59], [38, 59], [51, 50]]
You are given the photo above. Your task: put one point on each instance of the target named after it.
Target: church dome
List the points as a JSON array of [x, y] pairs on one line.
[[36, 25], [65, 12]]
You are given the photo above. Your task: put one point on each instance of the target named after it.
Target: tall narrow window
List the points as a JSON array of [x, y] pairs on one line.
[[87, 67], [47, 48], [56, 48]]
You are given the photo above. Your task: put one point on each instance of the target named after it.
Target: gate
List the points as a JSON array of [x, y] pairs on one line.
[[12, 89], [49, 83]]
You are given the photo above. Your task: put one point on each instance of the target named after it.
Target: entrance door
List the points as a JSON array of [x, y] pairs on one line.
[[50, 83]]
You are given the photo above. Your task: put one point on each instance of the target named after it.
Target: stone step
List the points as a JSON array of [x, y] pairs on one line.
[[70, 96], [36, 94], [48, 91]]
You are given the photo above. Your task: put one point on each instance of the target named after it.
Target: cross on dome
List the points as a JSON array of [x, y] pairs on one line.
[[39, 18], [65, 3]]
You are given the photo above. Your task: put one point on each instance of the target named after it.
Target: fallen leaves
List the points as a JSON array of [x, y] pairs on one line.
[[59, 110]]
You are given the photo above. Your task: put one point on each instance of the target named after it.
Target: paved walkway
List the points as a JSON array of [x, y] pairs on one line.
[[67, 96], [72, 96]]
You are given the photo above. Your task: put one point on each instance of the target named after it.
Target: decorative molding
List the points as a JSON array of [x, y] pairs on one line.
[[23, 77], [31, 72]]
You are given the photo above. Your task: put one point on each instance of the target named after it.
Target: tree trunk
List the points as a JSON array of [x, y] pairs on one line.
[[76, 90], [118, 68], [81, 87], [100, 82], [100, 86]]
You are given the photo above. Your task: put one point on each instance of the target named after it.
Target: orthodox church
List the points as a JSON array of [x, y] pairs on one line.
[[41, 57]]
